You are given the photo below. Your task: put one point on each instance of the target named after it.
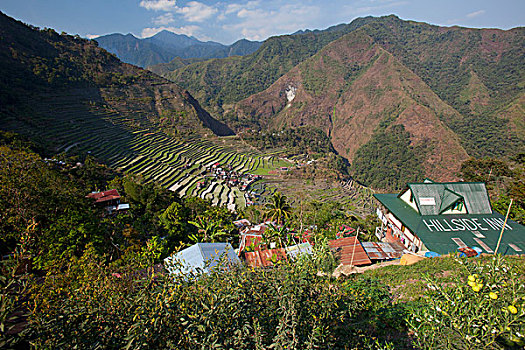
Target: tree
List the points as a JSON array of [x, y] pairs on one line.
[[209, 231], [174, 220], [278, 208]]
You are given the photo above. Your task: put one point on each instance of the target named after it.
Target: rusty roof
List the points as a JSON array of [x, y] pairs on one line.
[[104, 196], [264, 257], [383, 250], [344, 248], [247, 240]]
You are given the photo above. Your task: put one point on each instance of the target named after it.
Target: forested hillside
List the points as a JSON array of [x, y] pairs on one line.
[[41, 69]]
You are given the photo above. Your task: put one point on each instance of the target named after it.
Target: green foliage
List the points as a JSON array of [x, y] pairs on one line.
[[302, 140], [388, 160], [209, 231], [484, 170], [484, 306], [505, 179], [286, 307], [174, 219], [278, 208], [12, 292], [36, 194]]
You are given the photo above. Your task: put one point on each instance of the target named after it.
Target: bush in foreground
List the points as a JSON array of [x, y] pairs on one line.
[[483, 308]]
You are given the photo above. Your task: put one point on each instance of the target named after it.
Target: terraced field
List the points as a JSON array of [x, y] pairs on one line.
[[132, 143]]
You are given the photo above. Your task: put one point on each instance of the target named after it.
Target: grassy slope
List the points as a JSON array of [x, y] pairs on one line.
[[407, 282]]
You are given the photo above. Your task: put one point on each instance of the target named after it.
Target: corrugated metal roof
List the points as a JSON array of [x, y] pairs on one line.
[[441, 233], [475, 194], [449, 198], [200, 257], [264, 257], [298, 249], [434, 198], [383, 250], [104, 196], [344, 248]]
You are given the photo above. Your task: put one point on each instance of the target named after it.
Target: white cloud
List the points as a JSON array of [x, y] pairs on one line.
[[164, 19], [231, 8], [92, 36], [190, 30], [159, 5], [373, 6], [475, 14], [196, 11], [255, 23]]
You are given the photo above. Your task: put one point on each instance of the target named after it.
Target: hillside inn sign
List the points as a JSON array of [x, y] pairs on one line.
[[443, 217]]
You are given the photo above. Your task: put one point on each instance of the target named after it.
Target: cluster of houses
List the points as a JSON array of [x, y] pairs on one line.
[[230, 176], [257, 251], [426, 219]]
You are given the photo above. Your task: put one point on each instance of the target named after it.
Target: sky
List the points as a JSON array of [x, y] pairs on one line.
[[227, 21]]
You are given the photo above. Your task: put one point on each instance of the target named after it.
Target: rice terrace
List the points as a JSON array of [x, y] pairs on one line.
[[267, 175], [131, 143]]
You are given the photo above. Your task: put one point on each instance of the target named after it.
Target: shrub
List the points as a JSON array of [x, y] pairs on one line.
[[484, 307], [287, 307]]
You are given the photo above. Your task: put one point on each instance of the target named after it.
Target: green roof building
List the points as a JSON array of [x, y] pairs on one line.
[[443, 217]]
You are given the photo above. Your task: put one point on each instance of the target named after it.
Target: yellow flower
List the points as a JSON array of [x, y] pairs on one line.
[[512, 309], [471, 278], [476, 288], [471, 283], [493, 295]]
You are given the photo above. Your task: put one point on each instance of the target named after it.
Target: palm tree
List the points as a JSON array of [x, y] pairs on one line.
[[278, 208]]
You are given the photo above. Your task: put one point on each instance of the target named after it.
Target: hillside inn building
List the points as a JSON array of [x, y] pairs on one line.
[[443, 217]]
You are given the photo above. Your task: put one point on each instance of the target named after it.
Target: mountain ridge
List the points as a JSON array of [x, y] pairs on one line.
[[331, 108], [165, 46], [470, 82], [41, 68]]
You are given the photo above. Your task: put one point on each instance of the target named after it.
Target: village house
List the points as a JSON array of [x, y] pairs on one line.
[[110, 200], [445, 217]]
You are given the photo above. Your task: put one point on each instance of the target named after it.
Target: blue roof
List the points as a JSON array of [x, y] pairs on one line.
[[200, 257]]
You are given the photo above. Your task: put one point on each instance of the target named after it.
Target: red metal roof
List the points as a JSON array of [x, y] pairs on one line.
[[344, 248], [247, 240], [264, 257], [104, 196]]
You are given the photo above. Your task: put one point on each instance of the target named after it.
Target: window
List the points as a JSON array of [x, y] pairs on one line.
[[515, 247], [459, 242], [483, 245], [458, 206]]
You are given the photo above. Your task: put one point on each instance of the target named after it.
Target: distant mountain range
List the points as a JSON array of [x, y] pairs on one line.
[[165, 46], [401, 100], [391, 94]]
